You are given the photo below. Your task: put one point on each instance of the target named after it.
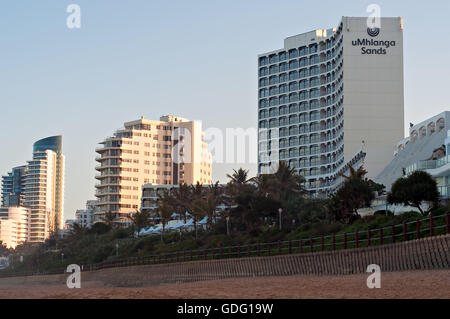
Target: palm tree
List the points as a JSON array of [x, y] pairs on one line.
[[238, 183], [109, 218], [239, 177], [356, 192], [264, 183], [181, 199], [77, 229], [286, 182], [140, 220], [218, 195], [358, 174], [207, 204], [198, 196], [165, 212]]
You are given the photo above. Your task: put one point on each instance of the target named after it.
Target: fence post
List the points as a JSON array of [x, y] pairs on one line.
[[405, 231], [369, 242], [334, 241], [448, 222], [279, 247], [290, 247], [431, 226], [311, 244], [393, 234], [357, 239], [418, 229], [381, 236], [345, 241]]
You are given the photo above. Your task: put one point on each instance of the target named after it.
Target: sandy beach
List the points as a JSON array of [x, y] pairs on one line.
[[413, 284]]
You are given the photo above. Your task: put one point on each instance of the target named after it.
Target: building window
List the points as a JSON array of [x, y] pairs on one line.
[[263, 61], [293, 53]]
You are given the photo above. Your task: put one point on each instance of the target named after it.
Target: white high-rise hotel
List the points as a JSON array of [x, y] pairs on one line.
[[330, 99]]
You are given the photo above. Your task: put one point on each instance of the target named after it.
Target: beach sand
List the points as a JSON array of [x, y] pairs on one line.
[[412, 284]]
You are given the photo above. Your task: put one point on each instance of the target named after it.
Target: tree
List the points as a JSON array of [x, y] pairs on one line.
[[356, 192], [287, 183], [309, 210], [207, 204], [417, 189], [4, 251], [181, 199], [77, 230], [140, 220], [110, 219], [165, 209], [239, 177], [198, 196], [264, 184]]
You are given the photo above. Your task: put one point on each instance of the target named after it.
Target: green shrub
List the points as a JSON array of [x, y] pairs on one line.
[[99, 229]]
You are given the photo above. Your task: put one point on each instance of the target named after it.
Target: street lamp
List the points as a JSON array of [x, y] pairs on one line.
[[280, 211], [62, 257], [117, 249], [228, 225]]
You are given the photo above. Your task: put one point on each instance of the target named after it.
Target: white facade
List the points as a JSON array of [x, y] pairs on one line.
[[330, 98], [44, 191], [417, 152], [85, 217], [14, 226]]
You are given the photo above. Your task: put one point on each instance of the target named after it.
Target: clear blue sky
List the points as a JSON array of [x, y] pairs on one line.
[[196, 59]]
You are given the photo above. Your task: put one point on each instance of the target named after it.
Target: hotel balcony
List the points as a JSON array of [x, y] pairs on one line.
[[434, 167]]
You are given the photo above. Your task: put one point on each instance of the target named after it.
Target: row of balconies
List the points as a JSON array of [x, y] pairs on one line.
[[325, 100], [303, 61], [303, 74], [333, 75], [330, 45]]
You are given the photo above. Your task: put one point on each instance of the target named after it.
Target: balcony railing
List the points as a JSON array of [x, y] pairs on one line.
[[429, 164]]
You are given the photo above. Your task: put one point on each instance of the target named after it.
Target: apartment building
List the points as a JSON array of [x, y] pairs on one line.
[[12, 187], [44, 188], [14, 226], [170, 151], [38, 189], [85, 217]]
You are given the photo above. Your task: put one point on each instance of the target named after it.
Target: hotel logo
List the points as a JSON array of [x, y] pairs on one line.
[[373, 32]]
